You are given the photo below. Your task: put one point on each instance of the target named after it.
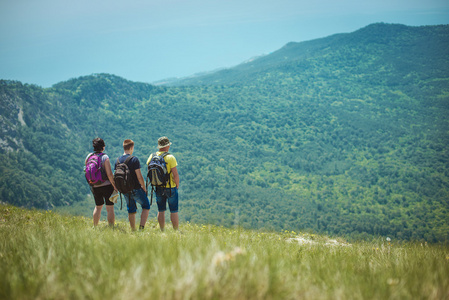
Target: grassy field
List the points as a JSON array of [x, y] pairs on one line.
[[45, 255]]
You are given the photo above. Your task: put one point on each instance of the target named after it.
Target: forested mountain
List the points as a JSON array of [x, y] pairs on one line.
[[343, 135], [387, 52]]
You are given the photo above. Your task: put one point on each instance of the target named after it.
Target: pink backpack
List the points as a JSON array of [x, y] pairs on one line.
[[93, 170]]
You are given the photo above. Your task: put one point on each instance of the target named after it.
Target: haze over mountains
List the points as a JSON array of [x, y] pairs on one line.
[[343, 135]]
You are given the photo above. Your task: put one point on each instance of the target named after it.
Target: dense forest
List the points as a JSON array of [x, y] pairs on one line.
[[342, 135]]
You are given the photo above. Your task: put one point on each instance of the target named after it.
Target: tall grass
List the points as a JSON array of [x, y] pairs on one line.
[[44, 255]]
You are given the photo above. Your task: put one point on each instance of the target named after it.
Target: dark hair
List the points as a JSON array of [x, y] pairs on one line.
[[98, 144], [128, 144]]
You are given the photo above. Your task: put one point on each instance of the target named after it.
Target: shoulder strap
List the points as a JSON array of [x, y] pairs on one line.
[[87, 158], [153, 155], [101, 160], [163, 157], [128, 159]]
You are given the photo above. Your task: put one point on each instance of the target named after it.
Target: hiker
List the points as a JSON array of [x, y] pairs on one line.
[[138, 193], [169, 193], [103, 186]]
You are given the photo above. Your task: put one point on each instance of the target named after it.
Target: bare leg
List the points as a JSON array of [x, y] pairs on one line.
[[132, 221], [174, 220], [111, 214], [144, 217], [161, 219], [97, 214]]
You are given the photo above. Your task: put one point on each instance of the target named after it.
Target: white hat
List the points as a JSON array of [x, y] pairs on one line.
[[163, 142]]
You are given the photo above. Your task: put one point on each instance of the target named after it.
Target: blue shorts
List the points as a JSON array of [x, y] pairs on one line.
[[137, 196], [164, 194]]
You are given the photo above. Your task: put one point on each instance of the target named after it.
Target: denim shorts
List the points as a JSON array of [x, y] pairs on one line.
[[164, 194], [137, 196]]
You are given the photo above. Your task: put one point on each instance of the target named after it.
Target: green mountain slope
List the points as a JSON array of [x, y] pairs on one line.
[[350, 139], [396, 52]]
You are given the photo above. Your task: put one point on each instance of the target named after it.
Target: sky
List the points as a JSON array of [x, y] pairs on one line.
[[44, 42]]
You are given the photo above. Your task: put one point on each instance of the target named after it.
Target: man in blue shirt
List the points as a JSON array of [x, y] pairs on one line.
[[138, 194]]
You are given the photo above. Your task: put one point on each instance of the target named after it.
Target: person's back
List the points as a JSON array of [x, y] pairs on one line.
[[138, 194], [169, 193], [160, 165], [101, 189], [133, 164]]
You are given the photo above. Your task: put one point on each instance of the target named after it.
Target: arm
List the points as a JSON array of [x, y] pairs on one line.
[[174, 171], [108, 169], [140, 178]]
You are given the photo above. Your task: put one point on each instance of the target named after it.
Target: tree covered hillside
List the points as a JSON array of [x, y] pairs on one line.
[[390, 54], [349, 138]]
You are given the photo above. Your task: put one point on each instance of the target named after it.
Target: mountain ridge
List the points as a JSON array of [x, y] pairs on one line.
[[378, 33]]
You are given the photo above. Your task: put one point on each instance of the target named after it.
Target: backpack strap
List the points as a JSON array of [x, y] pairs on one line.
[[128, 159], [146, 186], [130, 195], [163, 155], [148, 178], [87, 158], [152, 190], [95, 153], [104, 176]]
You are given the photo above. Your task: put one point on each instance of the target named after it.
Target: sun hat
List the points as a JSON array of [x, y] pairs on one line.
[[163, 142]]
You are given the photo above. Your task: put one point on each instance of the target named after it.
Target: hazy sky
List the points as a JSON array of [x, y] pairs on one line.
[[47, 41]]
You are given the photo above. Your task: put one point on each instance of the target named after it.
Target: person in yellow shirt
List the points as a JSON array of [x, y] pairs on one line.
[[169, 193]]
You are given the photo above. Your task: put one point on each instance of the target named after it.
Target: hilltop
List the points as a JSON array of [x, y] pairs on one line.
[[346, 136]]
